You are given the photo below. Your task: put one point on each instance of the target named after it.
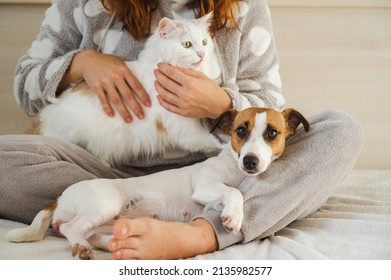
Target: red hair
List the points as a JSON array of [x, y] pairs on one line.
[[136, 15]]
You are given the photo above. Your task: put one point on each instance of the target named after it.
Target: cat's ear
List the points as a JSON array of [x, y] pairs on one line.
[[166, 26], [206, 19]]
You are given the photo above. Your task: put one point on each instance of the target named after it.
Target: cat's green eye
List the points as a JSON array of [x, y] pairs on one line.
[[204, 42], [186, 44]]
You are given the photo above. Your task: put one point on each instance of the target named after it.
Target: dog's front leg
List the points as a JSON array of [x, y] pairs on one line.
[[220, 197]]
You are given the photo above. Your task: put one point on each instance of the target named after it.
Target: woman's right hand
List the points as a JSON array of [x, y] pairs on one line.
[[112, 80]]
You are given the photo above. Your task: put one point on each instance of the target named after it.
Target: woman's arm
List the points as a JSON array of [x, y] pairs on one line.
[[250, 71], [41, 69], [56, 60], [252, 74]]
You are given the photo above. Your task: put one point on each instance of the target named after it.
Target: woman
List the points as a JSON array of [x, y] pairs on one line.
[[89, 40]]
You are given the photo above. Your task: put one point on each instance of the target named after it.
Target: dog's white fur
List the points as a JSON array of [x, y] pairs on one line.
[[78, 117], [258, 137]]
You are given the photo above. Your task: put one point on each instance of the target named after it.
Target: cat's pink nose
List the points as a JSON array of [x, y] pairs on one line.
[[201, 55]]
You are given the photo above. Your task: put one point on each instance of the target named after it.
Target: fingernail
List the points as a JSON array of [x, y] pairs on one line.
[[114, 245], [128, 120], [140, 116], [124, 230], [118, 254]]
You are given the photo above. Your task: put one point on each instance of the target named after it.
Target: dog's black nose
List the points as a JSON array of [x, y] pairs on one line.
[[250, 162]]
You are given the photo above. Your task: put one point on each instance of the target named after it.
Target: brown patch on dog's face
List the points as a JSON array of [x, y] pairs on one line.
[[241, 128], [258, 135], [275, 132], [278, 127]]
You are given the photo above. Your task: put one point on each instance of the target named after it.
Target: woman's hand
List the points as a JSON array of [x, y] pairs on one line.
[[189, 93], [113, 82]]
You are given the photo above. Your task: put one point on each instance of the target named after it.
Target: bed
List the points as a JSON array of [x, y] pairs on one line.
[[354, 224]]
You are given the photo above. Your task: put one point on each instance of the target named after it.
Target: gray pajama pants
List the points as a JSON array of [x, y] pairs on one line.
[[34, 170]]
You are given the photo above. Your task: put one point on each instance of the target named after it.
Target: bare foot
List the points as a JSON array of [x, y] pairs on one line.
[[147, 238]]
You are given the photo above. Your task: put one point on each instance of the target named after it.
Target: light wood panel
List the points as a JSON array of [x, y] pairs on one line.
[[331, 58], [340, 59], [19, 26]]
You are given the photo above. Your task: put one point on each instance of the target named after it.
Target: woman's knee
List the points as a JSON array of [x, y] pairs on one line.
[[351, 128], [343, 130]]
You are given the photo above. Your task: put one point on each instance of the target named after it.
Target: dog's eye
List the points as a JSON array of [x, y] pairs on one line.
[[241, 131], [272, 134], [204, 42]]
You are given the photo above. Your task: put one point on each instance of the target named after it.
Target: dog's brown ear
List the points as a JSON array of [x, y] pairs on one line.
[[293, 119], [224, 121]]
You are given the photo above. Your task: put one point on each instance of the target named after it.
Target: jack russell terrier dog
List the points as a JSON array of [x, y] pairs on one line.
[[258, 136]]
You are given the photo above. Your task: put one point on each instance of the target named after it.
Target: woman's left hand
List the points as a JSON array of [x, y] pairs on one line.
[[189, 93]]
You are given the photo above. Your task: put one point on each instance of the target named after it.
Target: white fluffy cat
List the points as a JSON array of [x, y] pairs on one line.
[[79, 118]]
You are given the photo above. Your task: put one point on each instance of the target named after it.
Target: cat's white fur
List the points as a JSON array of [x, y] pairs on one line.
[[79, 118]]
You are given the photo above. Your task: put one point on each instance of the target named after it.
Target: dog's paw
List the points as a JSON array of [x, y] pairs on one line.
[[85, 252], [232, 218]]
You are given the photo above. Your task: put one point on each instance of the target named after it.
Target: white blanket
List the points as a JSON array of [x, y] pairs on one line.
[[355, 223]]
